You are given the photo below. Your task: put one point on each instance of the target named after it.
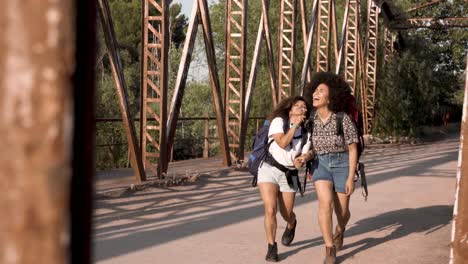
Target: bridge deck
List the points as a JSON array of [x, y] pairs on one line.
[[219, 219]]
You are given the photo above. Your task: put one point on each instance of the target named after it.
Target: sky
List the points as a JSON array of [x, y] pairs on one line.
[[187, 5], [198, 70]]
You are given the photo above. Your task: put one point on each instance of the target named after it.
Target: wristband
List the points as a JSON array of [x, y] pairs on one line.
[[293, 125]]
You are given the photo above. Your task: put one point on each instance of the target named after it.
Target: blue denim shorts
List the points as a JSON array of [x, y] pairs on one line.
[[332, 167]]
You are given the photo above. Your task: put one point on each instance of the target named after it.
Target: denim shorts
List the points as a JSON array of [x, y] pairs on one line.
[[332, 167], [268, 173]]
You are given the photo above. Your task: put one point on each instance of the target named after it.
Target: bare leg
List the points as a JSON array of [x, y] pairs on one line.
[[286, 206], [325, 198], [269, 194], [342, 210]]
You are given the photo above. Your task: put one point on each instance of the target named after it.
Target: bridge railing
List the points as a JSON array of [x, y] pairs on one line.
[[112, 152]]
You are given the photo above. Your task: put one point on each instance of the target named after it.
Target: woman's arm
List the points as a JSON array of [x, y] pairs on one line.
[[284, 139], [301, 160], [352, 168]]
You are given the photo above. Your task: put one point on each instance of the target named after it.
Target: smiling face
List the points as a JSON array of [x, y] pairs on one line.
[[298, 108], [320, 96]]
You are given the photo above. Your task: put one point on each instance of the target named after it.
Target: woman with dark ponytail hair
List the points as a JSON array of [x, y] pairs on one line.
[[277, 175]]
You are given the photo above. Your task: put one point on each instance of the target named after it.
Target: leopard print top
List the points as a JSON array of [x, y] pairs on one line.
[[325, 139]]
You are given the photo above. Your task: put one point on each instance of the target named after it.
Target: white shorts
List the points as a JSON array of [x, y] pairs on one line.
[[268, 173]]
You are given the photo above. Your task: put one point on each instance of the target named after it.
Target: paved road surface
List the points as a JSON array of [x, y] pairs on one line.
[[407, 218]]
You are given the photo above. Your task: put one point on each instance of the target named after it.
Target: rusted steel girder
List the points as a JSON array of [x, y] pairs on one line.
[[354, 56], [287, 39], [459, 245], [362, 82], [342, 41], [304, 27], [263, 32], [204, 15], [179, 88], [155, 48], [352, 44], [271, 58], [323, 35], [334, 24], [236, 30], [305, 66], [425, 5], [37, 63], [181, 80], [121, 89], [371, 62]]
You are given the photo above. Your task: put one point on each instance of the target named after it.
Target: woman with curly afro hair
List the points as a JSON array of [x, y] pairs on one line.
[[336, 155]]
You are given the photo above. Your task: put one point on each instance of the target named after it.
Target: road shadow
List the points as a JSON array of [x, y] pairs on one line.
[[144, 220], [403, 222]]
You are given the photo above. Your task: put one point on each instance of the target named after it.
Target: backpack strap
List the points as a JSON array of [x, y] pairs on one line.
[[308, 127], [303, 136], [339, 123]]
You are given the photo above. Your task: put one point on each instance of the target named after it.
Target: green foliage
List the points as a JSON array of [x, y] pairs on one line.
[[422, 81], [178, 23], [111, 143]]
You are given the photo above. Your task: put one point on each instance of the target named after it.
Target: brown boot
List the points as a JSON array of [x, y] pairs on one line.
[[330, 255], [338, 238]]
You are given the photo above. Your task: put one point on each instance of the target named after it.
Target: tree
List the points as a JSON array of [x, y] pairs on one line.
[[111, 144], [178, 25], [422, 81]]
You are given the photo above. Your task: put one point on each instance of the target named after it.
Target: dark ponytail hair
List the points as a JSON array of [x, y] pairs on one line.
[[283, 108]]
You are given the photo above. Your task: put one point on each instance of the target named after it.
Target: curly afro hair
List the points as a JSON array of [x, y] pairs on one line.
[[338, 88]]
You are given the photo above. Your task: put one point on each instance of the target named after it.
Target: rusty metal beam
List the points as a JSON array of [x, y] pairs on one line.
[[236, 25], [424, 5], [323, 36], [431, 23], [214, 80], [371, 61], [37, 63], [179, 87], [334, 24], [287, 40], [263, 32], [270, 57], [459, 245], [352, 42], [121, 89], [304, 27], [305, 66], [180, 83], [341, 44], [362, 80], [154, 85]]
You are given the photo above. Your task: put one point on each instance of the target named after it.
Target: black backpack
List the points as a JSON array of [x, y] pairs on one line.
[[260, 146]]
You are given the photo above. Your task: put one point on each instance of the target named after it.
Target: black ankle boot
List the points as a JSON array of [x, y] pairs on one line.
[[272, 254], [288, 235]]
